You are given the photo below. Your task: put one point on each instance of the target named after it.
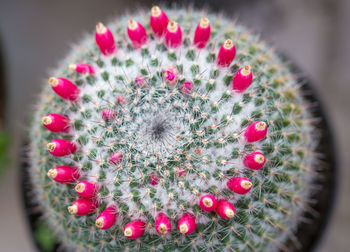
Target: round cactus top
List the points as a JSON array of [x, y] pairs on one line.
[[172, 130]]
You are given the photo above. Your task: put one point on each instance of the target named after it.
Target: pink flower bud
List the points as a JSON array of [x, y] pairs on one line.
[[180, 172], [108, 115], [140, 81], [198, 151], [163, 224], [81, 68], [153, 179], [242, 80], [134, 229], [56, 123], [107, 218], [255, 160], [83, 207], [173, 35], [256, 131], [239, 185], [137, 33], [208, 203], [187, 224], [226, 53], [225, 209], [104, 39], [64, 174], [116, 158], [61, 147], [171, 74], [121, 100], [158, 21], [64, 88], [86, 189], [187, 87], [202, 33]]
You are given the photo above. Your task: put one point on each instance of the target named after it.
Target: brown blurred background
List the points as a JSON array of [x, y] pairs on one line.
[[35, 34]]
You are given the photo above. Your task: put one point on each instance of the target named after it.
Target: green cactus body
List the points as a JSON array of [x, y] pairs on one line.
[[160, 130]]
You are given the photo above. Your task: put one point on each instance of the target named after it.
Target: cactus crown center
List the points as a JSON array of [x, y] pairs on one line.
[[159, 129]]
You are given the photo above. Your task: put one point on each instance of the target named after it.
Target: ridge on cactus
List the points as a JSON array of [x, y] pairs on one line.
[[172, 130]]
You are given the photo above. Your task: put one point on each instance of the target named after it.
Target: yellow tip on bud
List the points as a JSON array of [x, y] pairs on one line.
[[132, 24], [260, 126], [183, 229], [162, 229], [246, 184], [172, 26], [51, 147], [229, 213], [73, 209], [100, 222], [80, 187], [128, 232], [72, 67], [100, 28], [155, 11], [53, 81], [207, 202], [52, 173], [228, 44], [46, 120], [204, 23], [246, 70], [259, 158]]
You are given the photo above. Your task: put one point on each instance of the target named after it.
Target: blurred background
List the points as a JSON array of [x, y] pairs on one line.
[[35, 34]]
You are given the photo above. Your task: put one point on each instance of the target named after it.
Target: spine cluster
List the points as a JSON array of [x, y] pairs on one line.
[[169, 137]]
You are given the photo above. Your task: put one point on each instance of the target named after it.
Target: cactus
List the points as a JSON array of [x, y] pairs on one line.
[[173, 134]]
